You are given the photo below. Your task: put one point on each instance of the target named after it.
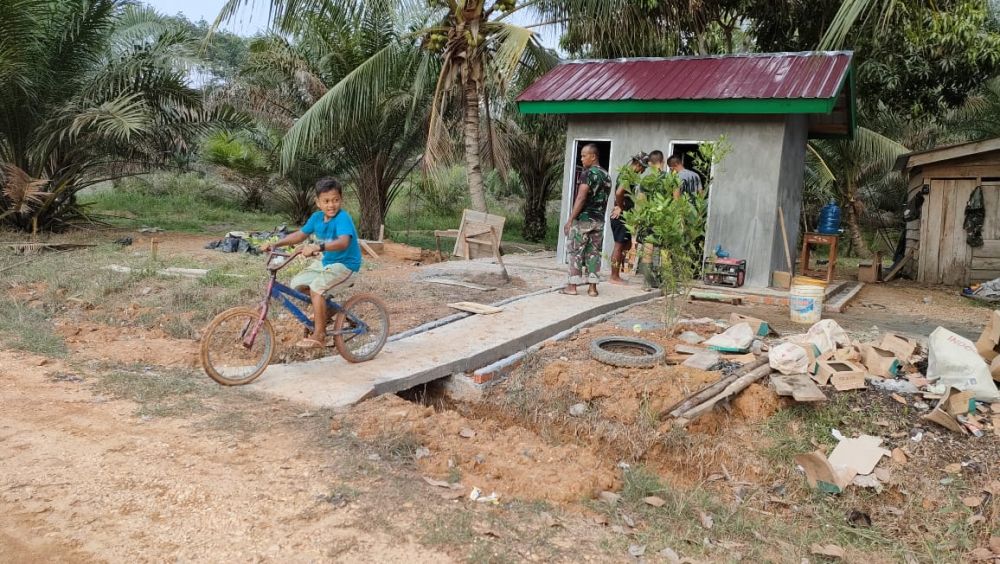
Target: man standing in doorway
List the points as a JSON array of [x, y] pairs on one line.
[[690, 181], [585, 228], [623, 203]]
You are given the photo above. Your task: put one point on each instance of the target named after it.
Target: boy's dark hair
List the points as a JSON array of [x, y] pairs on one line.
[[675, 160], [656, 157], [328, 184]]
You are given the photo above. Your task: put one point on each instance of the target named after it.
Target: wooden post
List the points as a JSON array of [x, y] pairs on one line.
[[154, 245]]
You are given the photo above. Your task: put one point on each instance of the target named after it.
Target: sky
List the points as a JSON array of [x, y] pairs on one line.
[[252, 17]]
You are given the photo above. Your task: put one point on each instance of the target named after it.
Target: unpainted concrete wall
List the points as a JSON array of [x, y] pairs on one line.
[[765, 164]]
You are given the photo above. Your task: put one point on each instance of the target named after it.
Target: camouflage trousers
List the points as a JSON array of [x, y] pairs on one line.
[[583, 249]]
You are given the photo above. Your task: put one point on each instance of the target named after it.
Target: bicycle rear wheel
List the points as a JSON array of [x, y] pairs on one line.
[[365, 344], [224, 354]]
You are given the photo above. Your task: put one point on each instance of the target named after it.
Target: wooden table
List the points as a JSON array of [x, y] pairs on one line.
[[810, 239]]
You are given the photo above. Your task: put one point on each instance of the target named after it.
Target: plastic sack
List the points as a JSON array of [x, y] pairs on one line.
[[827, 335], [954, 362], [789, 358], [735, 339]]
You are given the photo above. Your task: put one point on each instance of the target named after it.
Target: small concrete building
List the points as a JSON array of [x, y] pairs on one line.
[[942, 180], [766, 105]]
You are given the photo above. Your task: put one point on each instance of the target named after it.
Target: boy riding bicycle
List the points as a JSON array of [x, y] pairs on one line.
[[340, 265]]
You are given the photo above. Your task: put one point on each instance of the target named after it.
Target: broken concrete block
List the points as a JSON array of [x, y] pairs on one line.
[[825, 369], [799, 386], [704, 360], [578, 409], [688, 349], [690, 337], [736, 339]]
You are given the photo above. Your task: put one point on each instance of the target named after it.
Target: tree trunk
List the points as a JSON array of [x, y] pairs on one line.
[[473, 160], [854, 225], [371, 197], [534, 213]]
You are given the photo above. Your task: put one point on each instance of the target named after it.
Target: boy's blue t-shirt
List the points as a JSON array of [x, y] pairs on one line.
[[338, 225]]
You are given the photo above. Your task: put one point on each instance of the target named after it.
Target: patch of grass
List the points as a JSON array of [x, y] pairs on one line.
[[797, 429], [398, 445], [27, 328], [177, 202], [452, 528], [170, 393]]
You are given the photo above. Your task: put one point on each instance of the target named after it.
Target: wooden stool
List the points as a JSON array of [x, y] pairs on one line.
[[818, 239]]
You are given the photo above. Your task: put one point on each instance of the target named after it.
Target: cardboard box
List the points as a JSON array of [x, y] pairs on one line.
[[988, 344], [880, 362], [760, 327], [844, 381], [847, 354], [940, 416], [903, 348], [826, 369], [870, 272]]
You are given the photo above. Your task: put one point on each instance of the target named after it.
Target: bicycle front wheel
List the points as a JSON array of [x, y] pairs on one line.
[[361, 328], [230, 352]]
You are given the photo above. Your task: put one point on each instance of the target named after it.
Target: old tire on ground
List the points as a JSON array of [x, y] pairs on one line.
[[626, 352]]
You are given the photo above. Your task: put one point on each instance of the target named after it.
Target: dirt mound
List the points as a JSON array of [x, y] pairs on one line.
[[128, 345], [509, 460]]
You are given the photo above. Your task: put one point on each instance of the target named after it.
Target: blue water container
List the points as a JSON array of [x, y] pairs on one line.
[[829, 219]]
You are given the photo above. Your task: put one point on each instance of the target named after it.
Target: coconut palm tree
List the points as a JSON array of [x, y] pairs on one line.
[[94, 90], [462, 48], [284, 83]]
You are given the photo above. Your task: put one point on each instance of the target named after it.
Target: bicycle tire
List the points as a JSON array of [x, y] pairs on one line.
[[344, 345], [265, 338]]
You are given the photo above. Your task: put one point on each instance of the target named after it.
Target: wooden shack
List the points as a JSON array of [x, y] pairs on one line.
[[941, 182]]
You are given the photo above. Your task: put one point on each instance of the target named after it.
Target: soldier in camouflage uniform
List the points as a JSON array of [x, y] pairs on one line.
[[585, 228]]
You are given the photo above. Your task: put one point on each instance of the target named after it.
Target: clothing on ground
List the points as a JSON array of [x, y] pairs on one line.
[[331, 279], [598, 182], [583, 248], [327, 230]]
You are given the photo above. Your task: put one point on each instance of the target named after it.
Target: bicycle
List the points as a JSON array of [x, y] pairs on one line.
[[238, 344]]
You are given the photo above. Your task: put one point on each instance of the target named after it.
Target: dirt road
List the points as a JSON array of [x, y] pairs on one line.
[[82, 479]]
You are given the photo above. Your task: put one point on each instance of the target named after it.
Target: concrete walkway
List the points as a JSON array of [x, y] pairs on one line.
[[462, 346]]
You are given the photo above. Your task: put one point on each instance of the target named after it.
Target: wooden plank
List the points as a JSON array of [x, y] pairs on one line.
[[461, 283], [991, 201], [899, 267], [954, 253], [984, 275], [930, 233], [990, 249], [985, 264], [367, 248], [953, 152], [697, 295], [473, 307]]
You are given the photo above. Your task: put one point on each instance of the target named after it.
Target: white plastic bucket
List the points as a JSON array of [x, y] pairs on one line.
[[805, 299]]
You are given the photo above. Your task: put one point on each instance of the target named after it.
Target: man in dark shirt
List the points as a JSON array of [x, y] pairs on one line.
[[623, 203], [585, 228]]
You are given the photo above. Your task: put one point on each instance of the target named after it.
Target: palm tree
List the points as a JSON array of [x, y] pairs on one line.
[[461, 48], [979, 116], [286, 83], [94, 90], [536, 147]]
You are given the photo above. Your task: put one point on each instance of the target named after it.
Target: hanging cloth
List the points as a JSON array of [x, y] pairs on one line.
[[975, 216]]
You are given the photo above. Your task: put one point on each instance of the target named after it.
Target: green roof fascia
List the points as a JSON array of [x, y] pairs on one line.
[[713, 106]]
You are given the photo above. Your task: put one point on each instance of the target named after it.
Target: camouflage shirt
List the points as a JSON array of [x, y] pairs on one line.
[[599, 183]]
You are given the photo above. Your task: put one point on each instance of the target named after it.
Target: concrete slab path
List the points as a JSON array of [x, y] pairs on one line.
[[461, 346]]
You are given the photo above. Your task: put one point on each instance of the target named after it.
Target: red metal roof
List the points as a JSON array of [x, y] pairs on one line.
[[805, 75]]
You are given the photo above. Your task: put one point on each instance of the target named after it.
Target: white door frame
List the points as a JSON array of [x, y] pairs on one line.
[[708, 210]]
